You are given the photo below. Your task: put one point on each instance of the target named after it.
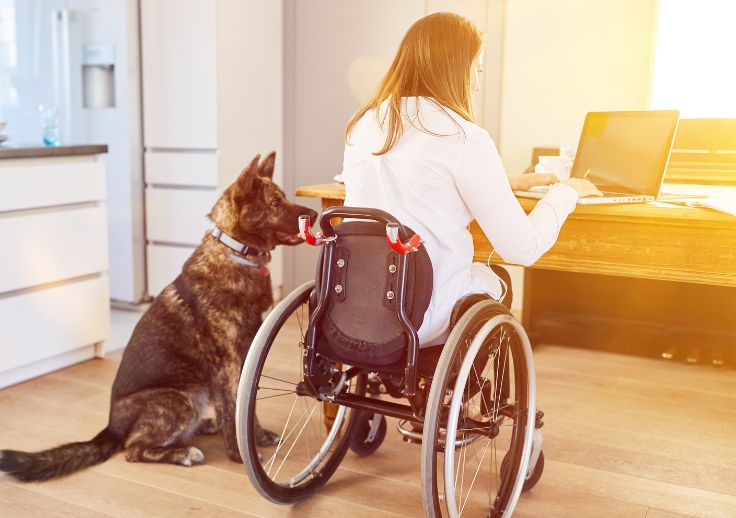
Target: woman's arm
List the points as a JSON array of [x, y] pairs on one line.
[[524, 182], [482, 182]]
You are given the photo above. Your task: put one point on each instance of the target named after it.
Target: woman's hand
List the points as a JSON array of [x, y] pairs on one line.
[[524, 182], [583, 187]]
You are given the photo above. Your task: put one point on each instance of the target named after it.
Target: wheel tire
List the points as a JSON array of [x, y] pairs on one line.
[[472, 323], [534, 477], [284, 493], [359, 441]]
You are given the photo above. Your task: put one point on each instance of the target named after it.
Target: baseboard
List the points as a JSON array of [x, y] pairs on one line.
[[42, 367]]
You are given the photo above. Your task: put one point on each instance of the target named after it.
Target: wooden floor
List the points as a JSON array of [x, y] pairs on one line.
[[623, 437]]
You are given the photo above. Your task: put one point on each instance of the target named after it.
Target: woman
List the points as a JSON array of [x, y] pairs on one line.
[[415, 152]]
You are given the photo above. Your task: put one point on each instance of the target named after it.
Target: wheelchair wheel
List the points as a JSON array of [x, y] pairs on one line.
[[369, 433], [306, 452], [533, 477], [483, 397]]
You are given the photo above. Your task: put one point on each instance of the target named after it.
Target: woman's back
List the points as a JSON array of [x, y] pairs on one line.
[[415, 181]]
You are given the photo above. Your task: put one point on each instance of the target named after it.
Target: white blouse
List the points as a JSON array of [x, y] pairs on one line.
[[437, 184]]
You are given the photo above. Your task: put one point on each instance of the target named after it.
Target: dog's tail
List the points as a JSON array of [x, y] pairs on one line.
[[60, 461]]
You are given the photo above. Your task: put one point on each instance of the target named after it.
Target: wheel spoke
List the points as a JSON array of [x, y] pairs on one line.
[[278, 389], [275, 395], [301, 430], [281, 437], [279, 379], [475, 475]]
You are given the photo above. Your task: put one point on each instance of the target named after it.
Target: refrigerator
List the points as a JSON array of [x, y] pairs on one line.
[[82, 59]]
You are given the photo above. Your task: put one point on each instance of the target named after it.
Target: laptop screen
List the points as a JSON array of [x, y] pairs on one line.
[[626, 152]]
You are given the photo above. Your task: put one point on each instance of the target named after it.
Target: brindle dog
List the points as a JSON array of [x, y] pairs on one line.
[[188, 348]]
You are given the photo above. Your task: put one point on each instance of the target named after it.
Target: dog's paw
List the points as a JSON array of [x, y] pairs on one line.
[[192, 457], [234, 456], [266, 438], [207, 427]]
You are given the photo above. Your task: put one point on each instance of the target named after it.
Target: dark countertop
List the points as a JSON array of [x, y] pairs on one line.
[[36, 151]]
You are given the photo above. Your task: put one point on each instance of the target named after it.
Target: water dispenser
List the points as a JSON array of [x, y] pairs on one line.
[[98, 76]]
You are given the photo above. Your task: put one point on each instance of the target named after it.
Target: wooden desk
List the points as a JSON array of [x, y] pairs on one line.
[[647, 241], [645, 279]]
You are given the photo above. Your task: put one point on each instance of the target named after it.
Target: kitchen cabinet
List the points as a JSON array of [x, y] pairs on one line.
[[54, 288]]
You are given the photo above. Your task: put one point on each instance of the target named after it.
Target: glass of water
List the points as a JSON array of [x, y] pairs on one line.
[[49, 125]]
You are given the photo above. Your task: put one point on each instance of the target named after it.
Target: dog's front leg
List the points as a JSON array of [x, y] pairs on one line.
[[223, 393]]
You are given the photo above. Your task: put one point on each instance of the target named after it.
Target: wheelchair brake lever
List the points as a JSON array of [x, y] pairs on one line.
[[306, 234], [392, 236]]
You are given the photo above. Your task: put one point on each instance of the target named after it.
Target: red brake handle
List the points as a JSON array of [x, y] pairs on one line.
[[392, 236], [306, 233]]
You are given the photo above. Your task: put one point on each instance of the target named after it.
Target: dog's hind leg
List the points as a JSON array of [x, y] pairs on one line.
[[223, 392], [166, 419]]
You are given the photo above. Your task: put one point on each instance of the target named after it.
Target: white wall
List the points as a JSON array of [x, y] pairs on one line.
[[250, 49], [564, 58]]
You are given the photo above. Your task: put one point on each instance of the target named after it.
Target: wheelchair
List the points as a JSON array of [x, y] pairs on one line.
[[350, 356]]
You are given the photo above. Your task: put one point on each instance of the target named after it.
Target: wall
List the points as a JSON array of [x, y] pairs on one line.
[[564, 58], [335, 53], [249, 51]]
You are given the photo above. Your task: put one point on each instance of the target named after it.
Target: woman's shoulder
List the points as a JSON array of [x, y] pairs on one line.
[[433, 110], [423, 118]]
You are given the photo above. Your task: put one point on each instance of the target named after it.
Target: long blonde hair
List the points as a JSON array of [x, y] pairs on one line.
[[433, 61]]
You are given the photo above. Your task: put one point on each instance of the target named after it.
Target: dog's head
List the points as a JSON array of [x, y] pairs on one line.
[[255, 210]]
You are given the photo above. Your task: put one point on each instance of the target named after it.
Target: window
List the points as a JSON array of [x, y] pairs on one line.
[[695, 58]]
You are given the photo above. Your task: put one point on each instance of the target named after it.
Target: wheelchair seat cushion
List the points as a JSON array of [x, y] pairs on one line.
[[361, 325]]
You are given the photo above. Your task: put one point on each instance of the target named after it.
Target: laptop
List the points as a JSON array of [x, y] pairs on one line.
[[624, 154]]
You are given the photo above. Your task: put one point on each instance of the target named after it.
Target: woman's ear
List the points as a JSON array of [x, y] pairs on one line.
[[266, 168]]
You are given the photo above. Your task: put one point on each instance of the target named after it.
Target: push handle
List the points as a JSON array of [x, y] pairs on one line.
[[392, 236], [394, 230], [356, 213]]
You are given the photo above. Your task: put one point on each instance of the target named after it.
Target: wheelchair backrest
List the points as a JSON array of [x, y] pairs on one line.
[[360, 325]]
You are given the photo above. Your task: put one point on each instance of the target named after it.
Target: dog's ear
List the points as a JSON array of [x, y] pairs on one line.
[[266, 168], [244, 183]]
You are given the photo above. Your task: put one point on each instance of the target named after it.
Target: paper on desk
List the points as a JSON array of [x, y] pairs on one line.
[[720, 198], [727, 205]]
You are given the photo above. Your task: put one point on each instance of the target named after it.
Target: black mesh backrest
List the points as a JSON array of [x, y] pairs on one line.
[[360, 325]]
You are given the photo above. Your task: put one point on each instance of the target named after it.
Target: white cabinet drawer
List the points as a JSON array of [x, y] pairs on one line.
[[164, 264], [181, 168], [58, 182], [178, 215], [52, 246], [41, 324]]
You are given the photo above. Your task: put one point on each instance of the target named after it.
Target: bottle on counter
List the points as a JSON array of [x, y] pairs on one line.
[[49, 125]]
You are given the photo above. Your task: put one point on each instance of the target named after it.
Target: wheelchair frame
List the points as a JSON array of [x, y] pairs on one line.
[[327, 387]]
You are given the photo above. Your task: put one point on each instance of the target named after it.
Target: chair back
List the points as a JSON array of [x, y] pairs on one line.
[[361, 322]]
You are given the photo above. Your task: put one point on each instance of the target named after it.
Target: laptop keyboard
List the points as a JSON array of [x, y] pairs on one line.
[[545, 188]]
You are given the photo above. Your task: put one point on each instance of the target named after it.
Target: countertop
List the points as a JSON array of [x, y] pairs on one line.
[[36, 151]]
